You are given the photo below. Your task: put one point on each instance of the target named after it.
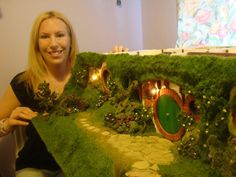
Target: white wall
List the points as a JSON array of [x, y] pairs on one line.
[[99, 25], [159, 22]]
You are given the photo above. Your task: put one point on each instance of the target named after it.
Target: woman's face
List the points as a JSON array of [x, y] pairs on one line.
[[54, 41]]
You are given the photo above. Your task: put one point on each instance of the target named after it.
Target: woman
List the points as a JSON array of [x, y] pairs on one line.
[[52, 53]]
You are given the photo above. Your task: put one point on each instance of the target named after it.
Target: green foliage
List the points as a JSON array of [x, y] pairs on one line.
[[187, 121], [91, 95], [70, 103], [222, 157], [45, 97], [81, 77], [112, 87], [208, 78], [80, 71], [129, 116], [102, 99], [185, 167], [74, 150], [97, 115]]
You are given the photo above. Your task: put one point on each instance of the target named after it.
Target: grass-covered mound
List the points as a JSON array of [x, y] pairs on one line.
[[76, 152], [209, 79]]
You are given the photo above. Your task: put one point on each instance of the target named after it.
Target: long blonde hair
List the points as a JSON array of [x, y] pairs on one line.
[[36, 65]]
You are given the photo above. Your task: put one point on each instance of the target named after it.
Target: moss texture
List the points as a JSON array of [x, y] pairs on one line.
[[78, 153], [209, 78]]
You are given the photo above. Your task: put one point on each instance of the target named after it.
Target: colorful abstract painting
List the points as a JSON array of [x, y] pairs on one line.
[[206, 23]]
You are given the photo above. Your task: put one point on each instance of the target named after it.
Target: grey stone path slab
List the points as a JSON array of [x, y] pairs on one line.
[[147, 152]]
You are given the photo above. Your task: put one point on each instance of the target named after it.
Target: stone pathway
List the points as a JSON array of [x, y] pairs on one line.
[[147, 151]]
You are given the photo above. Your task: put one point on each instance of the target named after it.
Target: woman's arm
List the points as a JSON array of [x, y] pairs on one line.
[[11, 114]]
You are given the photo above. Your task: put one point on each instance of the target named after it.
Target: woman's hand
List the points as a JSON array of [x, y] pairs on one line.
[[119, 48], [19, 117]]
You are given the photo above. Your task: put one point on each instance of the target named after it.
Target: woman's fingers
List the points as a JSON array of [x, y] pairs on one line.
[[16, 122], [23, 113], [21, 116], [27, 114]]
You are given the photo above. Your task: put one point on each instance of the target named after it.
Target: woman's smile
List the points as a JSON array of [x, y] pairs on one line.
[[55, 53]]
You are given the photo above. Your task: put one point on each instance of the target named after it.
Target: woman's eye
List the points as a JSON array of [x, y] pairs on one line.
[[60, 35], [43, 37]]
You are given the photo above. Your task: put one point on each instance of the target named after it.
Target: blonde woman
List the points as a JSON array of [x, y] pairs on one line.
[[52, 53]]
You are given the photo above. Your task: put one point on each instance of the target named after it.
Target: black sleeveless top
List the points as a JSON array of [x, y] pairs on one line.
[[34, 153]]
